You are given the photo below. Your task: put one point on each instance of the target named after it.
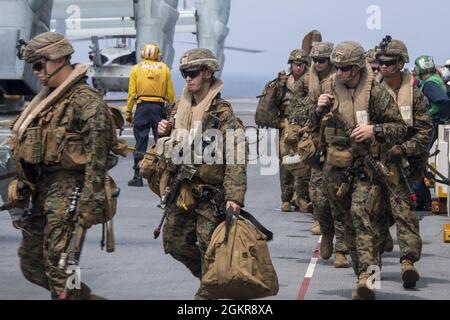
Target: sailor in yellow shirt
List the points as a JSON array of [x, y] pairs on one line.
[[150, 87]]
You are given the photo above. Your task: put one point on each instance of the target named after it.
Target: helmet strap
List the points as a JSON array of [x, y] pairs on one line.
[[48, 76]]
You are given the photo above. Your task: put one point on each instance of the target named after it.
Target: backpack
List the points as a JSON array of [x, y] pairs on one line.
[[238, 263], [268, 108]]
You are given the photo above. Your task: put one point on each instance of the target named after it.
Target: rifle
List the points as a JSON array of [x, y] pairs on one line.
[[71, 257], [401, 168], [183, 173], [360, 151]]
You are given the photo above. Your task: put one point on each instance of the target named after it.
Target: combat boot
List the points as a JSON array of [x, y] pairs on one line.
[[304, 206], [355, 295], [315, 229], [286, 206], [389, 243], [409, 274], [136, 181], [362, 290], [340, 260], [294, 204], [326, 246], [201, 294]]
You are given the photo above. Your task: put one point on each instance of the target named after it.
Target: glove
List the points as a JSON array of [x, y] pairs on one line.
[[395, 154], [129, 117]]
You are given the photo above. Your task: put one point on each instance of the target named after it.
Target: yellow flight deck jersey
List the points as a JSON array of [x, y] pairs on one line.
[[150, 81]]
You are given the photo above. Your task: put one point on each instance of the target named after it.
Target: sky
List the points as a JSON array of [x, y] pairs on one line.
[[278, 26]]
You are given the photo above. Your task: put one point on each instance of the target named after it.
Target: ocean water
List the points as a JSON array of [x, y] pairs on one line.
[[235, 85]]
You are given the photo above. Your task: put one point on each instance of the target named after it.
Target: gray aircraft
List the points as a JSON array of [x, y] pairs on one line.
[[145, 20]]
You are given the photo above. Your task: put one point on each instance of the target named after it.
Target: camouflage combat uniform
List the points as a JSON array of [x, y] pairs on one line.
[[414, 147], [359, 207], [321, 206], [187, 233], [295, 91], [47, 228]]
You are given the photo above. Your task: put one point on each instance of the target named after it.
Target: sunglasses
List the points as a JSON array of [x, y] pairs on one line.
[[320, 60], [38, 66], [345, 68], [191, 73], [387, 63], [375, 69]]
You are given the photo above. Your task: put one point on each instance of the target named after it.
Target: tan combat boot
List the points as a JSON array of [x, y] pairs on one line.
[[340, 260], [362, 290], [201, 294], [355, 295], [326, 246], [315, 229], [304, 206], [409, 274], [286, 206]]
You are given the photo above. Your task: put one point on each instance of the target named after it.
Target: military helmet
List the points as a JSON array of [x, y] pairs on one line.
[[348, 53], [298, 55], [321, 50], [424, 64], [151, 52], [199, 57], [371, 56], [391, 47], [47, 46]]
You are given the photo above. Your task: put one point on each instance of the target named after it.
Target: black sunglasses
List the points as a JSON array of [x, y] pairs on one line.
[[375, 69], [320, 60], [38, 66], [344, 68], [387, 63], [191, 73]]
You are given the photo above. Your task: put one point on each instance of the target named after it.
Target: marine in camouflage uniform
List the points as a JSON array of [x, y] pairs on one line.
[[372, 115], [187, 233], [321, 82], [392, 56], [75, 110], [296, 88]]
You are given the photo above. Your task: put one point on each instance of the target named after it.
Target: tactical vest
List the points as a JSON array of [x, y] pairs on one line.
[[434, 107], [46, 139]]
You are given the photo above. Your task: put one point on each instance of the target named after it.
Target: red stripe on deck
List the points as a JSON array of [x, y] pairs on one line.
[[307, 279]]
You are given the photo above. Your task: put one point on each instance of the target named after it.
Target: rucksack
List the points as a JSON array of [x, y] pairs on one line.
[[238, 263], [268, 109]]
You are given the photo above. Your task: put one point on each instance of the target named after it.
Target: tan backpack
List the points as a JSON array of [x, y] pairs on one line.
[[238, 263], [268, 109]]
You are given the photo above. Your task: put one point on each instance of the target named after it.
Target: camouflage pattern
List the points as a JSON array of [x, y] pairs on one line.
[[415, 146], [199, 57], [393, 48], [182, 229], [290, 184], [321, 50], [86, 113], [371, 56], [348, 53], [47, 46], [48, 234], [298, 56], [323, 213], [360, 207]]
